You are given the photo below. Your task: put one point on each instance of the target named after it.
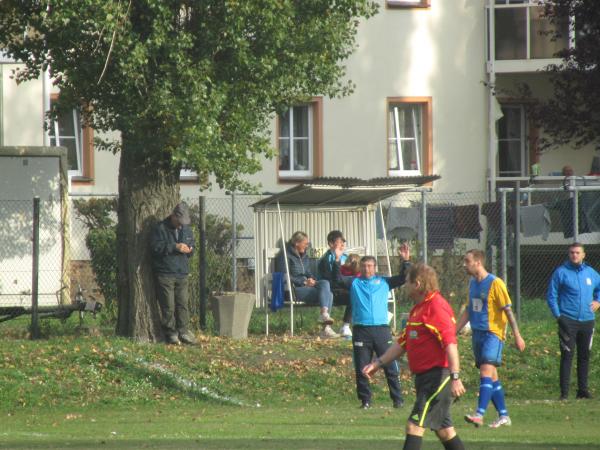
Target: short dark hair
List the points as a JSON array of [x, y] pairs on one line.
[[333, 235], [478, 255], [577, 244], [368, 258]]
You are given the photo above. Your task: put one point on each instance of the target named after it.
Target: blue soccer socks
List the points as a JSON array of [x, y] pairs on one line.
[[486, 387], [498, 398]]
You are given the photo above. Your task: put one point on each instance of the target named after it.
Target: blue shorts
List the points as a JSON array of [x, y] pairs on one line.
[[487, 348]]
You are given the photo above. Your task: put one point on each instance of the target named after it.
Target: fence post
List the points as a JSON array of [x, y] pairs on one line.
[[233, 244], [575, 197], [503, 240], [424, 225], [517, 217], [35, 324], [202, 262]]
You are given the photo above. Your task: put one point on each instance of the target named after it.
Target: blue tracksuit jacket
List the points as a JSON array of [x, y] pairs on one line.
[[571, 291], [369, 296]]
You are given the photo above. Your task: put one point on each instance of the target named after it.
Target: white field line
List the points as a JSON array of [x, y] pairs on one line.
[[185, 383]]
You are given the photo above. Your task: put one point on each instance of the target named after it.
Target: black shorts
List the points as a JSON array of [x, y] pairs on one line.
[[432, 406]]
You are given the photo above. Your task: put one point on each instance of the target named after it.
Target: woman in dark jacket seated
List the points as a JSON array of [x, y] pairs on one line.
[[306, 286]]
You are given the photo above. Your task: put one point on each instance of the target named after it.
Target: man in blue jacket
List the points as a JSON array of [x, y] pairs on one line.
[[573, 297], [370, 330], [172, 245]]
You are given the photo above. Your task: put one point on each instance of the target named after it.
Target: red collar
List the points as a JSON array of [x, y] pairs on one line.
[[429, 296]]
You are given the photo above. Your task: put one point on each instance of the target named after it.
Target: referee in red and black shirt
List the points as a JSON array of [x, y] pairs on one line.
[[429, 341]]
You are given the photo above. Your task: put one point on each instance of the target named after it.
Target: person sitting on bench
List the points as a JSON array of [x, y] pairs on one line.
[[336, 240], [306, 286]]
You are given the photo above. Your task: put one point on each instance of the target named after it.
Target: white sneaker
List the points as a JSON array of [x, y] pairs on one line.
[[345, 331], [325, 319], [501, 421], [328, 333]]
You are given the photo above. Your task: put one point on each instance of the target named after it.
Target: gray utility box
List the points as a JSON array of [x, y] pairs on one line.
[[232, 311]]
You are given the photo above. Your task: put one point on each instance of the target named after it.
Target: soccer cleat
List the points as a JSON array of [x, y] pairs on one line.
[[476, 419], [328, 333], [325, 319], [365, 405], [345, 331], [501, 421]]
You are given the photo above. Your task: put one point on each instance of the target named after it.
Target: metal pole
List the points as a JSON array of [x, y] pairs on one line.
[[424, 226], [575, 197], [287, 270], [517, 217], [491, 100], [233, 244], [202, 262], [387, 258], [35, 324], [503, 230]]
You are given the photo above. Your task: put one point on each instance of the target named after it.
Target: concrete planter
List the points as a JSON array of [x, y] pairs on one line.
[[232, 311]]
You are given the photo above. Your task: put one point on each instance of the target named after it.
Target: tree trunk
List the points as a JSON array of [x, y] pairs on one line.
[[148, 191]]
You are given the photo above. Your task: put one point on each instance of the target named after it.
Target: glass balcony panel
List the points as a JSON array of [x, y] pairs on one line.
[[511, 33], [542, 43]]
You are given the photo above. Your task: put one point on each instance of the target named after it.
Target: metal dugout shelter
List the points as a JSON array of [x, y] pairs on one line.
[[317, 207]]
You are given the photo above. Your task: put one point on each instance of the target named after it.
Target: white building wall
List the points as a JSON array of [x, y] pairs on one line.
[[22, 110], [436, 52]]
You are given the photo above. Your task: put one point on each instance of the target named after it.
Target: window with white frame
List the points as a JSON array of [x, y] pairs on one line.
[[409, 143], [296, 137], [522, 31], [67, 131], [513, 148]]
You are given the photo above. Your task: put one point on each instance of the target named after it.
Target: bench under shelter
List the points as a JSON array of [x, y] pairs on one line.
[[351, 205]]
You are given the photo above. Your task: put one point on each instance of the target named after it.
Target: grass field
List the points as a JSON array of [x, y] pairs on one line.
[[75, 390]]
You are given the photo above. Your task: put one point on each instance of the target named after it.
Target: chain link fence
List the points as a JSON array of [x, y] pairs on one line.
[[439, 227], [442, 227], [16, 253], [229, 246]]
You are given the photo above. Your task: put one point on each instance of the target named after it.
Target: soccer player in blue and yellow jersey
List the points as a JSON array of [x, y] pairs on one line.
[[488, 310]]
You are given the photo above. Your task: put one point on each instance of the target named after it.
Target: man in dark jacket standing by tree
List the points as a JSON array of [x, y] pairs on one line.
[[172, 246]]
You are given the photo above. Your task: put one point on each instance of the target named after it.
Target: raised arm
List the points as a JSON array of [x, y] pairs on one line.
[[400, 279]]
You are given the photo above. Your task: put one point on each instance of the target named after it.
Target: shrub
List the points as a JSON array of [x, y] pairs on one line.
[[99, 217]]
